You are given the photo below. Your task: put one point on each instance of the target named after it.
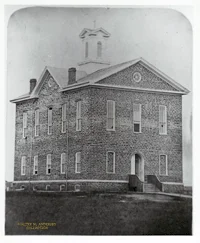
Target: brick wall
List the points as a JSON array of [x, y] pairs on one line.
[[93, 140]]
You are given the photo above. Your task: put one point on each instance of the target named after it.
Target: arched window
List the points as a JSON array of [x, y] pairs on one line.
[[99, 49], [86, 49]]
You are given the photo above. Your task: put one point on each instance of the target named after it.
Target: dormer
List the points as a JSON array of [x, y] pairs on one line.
[[94, 49]]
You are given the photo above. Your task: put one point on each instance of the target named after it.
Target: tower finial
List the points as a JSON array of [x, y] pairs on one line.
[[94, 24]]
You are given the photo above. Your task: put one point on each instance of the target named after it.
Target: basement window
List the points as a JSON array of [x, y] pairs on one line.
[[77, 188], [47, 187], [62, 187]]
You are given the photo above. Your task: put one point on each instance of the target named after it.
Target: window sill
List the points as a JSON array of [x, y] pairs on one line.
[[110, 172]]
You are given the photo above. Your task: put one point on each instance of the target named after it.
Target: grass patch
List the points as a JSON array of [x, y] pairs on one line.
[[97, 214]]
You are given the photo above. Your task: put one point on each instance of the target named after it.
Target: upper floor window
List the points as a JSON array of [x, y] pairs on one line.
[[110, 162], [23, 165], [110, 115], [48, 167], [50, 121], [78, 115], [78, 163], [35, 166], [99, 49], [137, 117], [162, 119], [24, 124], [37, 122], [163, 165], [64, 118], [62, 164], [86, 49]]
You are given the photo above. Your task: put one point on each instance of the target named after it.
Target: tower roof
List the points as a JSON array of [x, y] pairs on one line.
[[93, 32]]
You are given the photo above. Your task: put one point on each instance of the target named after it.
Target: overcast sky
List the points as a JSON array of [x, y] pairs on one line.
[[41, 36]]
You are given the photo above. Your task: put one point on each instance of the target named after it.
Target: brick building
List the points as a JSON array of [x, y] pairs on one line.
[[100, 127]]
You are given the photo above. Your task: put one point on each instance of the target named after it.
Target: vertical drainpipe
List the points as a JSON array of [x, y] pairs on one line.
[[67, 160], [31, 147]]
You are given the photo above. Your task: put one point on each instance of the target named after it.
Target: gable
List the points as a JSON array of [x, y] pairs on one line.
[[138, 76], [48, 85]]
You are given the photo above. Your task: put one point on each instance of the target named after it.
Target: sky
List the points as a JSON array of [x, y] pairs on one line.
[[49, 36]]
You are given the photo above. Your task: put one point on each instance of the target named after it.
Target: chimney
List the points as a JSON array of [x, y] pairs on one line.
[[71, 75], [32, 84]]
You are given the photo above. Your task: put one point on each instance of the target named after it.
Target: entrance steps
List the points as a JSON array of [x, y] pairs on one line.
[[149, 187]]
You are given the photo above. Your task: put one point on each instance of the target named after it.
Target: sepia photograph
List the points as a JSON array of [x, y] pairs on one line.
[[98, 121]]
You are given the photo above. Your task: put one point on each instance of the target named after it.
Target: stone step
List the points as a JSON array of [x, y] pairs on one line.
[[148, 187]]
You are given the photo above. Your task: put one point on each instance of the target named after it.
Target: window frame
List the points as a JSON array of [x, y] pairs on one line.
[[48, 162], [76, 156], [113, 171], [78, 115], [161, 122], [135, 122], [37, 121], [34, 165], [62, 163], [166, 165], [25, 120], [107, 116], [50, 121], [61, 186], [75, 188], [64, 118], [23, 165], [47, 187]]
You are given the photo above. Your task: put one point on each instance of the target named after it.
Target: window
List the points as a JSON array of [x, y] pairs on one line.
[[62, 165], [110, 115], [47, 187], [49, 121], [78, 163], [77, 188], [137, 117], [78, 115], [24, 125], [62, 187], [162, 119], [163, 165], [110, 162], [64, 120], [48, 164], [99, 49], [35, 166], [37, 122], [23, 165], [86, 49]]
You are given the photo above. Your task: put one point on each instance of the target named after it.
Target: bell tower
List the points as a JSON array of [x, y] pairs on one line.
[[94, 49]]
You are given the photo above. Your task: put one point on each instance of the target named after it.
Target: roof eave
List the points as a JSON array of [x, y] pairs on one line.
[[22, 99]]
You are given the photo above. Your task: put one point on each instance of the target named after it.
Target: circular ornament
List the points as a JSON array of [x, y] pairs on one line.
[[137, 77]]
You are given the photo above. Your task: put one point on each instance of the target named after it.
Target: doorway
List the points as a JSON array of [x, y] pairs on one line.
[[137, 166]]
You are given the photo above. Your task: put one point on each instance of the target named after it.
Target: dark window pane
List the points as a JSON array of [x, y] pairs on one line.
[[136, 127]]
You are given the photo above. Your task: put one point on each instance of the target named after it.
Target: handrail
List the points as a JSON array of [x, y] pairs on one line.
[[135, 183], [154, 180]]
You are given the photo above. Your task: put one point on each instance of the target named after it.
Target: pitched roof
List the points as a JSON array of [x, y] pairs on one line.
[[61, 77], [106, 72]]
